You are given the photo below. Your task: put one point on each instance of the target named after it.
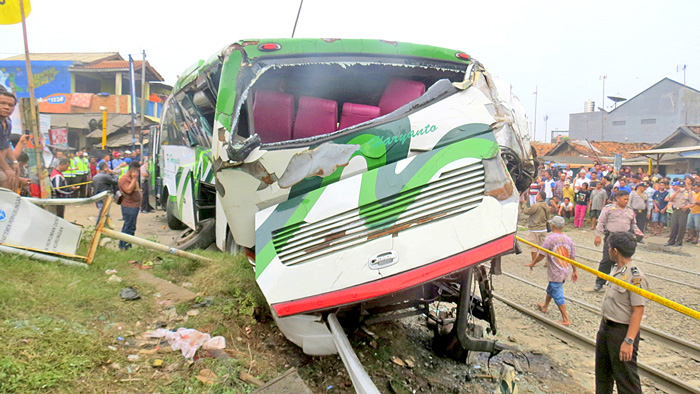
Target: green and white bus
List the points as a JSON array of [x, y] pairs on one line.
[[358, 176]]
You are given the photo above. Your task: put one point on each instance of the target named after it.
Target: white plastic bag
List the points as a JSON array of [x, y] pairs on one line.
[[188, 340]]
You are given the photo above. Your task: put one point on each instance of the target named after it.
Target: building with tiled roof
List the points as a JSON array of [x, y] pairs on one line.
[[578, 153], [75, 87]]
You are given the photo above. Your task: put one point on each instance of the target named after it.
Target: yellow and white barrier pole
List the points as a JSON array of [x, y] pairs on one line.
[[644, 293]]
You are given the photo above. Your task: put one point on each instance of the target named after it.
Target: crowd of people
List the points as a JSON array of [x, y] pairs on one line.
[[581, 195], [74, 174]]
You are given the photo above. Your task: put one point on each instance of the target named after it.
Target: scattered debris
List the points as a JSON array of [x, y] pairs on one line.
[[133, 357], [202, 304], [110, 272], [506, 383], [250, 379], [157, 363], [289, 382], [129, 294], [192, 312], [188, 340], [114, 278], [149, 352], [112, 348], [398, 361], [206, 376]]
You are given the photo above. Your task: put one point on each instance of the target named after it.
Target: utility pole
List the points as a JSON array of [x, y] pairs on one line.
[[602, 102], [682, 68], [38, 141], [297, 20], [534, 129], [143, 100], [546, 118]]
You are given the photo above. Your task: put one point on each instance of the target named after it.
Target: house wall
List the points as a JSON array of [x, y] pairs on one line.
[[50, 77], [649, 117]]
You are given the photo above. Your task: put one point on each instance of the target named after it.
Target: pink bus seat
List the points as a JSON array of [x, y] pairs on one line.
[[357, 113], [273, 115], [398, 93], [315, 116]]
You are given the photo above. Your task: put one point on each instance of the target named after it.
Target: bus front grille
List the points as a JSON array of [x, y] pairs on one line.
[[453, 193]]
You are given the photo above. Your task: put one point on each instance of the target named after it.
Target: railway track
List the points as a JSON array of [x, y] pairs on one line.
[[662, 380], [650, 274], [644, 261]]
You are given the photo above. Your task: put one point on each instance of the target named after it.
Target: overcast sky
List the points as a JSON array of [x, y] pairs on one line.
[[561, 47]]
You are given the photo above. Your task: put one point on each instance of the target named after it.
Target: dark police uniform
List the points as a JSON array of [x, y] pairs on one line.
[[617, 311], [613, 219]]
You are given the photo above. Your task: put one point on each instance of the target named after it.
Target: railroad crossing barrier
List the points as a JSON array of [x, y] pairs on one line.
[[644, 293]]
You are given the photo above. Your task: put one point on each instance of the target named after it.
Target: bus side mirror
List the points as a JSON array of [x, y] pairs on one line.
[[238, 151]]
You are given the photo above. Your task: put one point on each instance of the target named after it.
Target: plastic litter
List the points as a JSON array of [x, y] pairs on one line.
[[129, 294], [114, 278], [110, 272], [188, 340], [133, 357]]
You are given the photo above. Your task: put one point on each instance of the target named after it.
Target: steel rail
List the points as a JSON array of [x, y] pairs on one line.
[[644, 261], [680, 344], [662, 380], [652, 275]]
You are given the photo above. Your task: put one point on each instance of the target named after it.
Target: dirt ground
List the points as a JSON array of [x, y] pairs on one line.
[[149, 226], [399, 358]]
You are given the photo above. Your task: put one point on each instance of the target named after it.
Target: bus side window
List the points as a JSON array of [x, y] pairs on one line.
[[172, 126]]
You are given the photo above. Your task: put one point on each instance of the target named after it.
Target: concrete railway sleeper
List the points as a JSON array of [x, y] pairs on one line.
[[662, 380], [679, 344], [644, 261]]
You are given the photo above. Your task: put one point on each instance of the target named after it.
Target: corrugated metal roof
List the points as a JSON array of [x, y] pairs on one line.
[[85, 57]]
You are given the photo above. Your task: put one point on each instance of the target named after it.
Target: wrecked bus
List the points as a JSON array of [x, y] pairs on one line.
[[365, 178]]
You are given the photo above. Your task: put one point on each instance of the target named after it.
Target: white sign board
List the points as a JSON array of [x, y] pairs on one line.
[[27, 225]]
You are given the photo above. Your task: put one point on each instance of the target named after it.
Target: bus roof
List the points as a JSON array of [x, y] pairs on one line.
[[256, 48]]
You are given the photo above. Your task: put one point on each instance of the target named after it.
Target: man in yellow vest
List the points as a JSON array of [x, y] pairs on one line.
[[123, 170], [70, 173], [82, 169]]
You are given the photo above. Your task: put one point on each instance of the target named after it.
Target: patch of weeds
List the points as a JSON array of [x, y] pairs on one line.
[[226, 381], [46, 354]]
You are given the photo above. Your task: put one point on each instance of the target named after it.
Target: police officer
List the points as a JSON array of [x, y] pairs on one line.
[[682, 201], [639, 204], [614, 218], [617, 342]]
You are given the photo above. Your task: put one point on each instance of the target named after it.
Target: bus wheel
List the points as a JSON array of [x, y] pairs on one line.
[[173, 222], [231, 246], [197, 239]]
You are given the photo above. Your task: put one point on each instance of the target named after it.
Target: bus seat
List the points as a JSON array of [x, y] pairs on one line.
[[398, 93], [273, 114], [357, 113], [315, 116]]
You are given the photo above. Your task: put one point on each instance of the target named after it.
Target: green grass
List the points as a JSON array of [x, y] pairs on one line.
[[56, 322]]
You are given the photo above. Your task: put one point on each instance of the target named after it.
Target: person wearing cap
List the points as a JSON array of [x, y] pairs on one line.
[[117, 161], [557, 269], [639, 203], [567, 192], [617, 341], [70, 173], [682, 200], [658, 210], [616, 217]]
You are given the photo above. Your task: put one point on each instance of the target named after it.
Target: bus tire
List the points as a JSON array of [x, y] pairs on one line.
[[173, 222], [197, 239], [231, 246]]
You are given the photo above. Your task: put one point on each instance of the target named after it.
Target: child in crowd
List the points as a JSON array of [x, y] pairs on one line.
[[583, 195], [557, 270]]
